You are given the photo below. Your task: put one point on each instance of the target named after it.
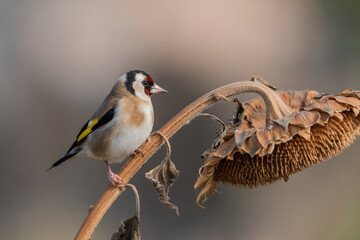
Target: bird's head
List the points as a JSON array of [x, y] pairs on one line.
[[141, 84]]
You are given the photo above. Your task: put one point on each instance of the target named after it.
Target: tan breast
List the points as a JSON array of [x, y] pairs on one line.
[[132, 109]]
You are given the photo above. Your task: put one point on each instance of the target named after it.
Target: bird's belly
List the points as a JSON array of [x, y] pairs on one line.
[[123, 144]]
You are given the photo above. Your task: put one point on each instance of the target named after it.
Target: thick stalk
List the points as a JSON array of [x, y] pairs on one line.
[[275, 109]]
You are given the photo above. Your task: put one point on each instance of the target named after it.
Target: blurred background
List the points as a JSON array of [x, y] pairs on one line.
[[58, 60]]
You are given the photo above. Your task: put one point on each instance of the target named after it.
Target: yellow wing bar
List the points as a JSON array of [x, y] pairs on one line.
[[88, 130]]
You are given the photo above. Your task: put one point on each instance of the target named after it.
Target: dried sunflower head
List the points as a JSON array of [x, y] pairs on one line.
[[257, 151]]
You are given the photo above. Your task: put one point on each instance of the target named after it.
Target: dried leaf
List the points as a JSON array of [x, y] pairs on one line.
[[162, 178], [129, 229]]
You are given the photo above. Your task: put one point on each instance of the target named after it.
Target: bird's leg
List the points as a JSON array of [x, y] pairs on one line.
[[114, 178]]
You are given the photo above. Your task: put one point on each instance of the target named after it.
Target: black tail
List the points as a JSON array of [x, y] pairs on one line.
[[61, 160]]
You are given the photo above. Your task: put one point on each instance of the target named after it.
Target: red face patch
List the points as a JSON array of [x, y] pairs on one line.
[[147, 92], [150, 83]]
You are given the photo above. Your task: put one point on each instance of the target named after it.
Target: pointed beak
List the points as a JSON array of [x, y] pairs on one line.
[[157, 89]]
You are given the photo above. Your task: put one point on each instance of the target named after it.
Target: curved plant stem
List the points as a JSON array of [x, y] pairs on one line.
[[275, 109]]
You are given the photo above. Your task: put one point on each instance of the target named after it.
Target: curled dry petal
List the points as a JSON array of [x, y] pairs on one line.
[[316, 127]]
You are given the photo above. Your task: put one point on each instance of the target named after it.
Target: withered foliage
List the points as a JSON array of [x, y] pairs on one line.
[[163, 176], [313, 127], [129, 229]]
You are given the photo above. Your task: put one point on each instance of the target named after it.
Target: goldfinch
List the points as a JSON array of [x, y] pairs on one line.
[[121, 124]]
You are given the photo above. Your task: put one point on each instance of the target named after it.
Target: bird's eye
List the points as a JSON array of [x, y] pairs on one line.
[[145, 83]]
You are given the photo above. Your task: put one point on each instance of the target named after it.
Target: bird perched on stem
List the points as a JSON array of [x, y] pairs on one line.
[[121, 124]]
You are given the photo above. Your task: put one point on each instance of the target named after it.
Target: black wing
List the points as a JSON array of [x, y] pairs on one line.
[[89, 127]]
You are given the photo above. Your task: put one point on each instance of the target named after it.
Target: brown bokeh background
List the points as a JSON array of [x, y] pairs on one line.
[[58, 60]]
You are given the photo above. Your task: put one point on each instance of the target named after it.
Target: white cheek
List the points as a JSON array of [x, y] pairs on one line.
[[141, 94]]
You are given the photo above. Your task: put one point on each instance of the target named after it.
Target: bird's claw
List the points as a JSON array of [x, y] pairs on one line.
[[136, 152], [115, 179]]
